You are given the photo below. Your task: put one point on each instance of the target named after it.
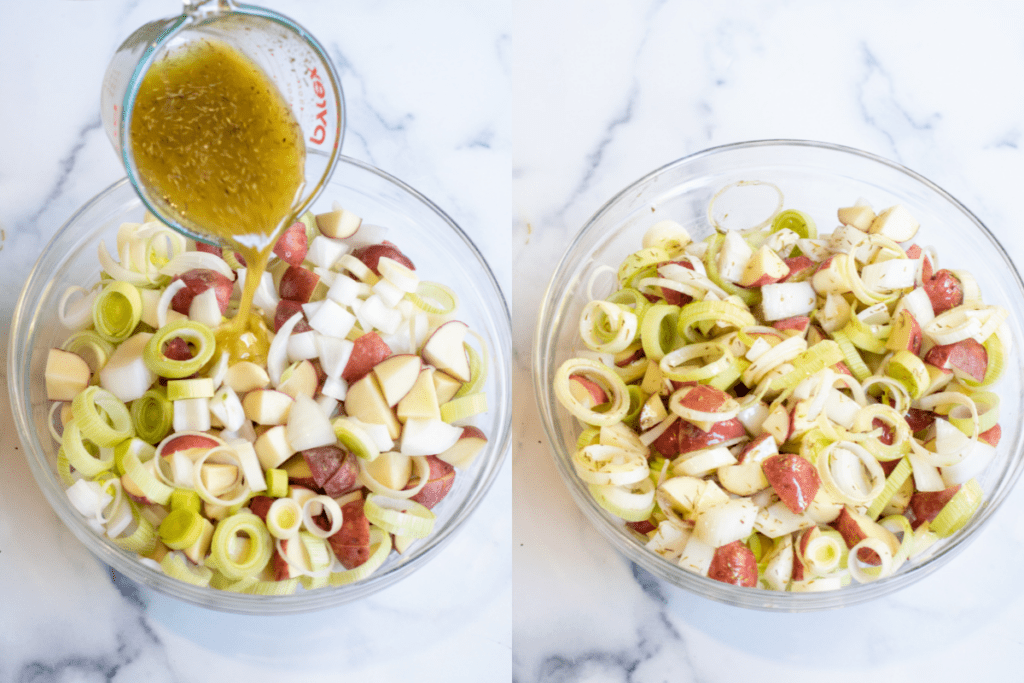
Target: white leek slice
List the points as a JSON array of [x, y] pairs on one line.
[[313, 507], [190, 260], [78, 314]]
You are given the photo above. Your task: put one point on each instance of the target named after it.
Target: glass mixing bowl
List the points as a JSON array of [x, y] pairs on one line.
[[440, 250], [816, 178]]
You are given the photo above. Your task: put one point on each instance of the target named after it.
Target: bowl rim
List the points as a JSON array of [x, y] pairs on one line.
[[670, 572], [22, 330]]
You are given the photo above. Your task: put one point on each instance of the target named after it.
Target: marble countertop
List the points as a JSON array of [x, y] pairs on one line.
[[427, 89], [606, 92]]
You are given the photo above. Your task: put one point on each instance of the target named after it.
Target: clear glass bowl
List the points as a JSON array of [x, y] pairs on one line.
[[440, 250], [816, 178]]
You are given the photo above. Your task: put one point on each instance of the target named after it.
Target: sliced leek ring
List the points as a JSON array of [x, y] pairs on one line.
[[257, 551], [399, 516], [959, 510], [108, 428], [633, 502], [463, 407], [176, 566], [117, 310], [893, 482], [153, 415], [603, 375], [434, 298], [88, 462], [198, 335], [181, 528]]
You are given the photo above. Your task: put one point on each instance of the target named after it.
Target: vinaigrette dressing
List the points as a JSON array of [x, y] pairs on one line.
[[221, 150]]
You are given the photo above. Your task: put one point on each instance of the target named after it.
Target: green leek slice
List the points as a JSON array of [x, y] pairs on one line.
[[181, 528], [434, 298], [153, 415], [117, 310], [257, 552], [959, 510], [463, 407], [198, 335], [93, 348], [108, 428], [658, 330], [724, 312], [398, 516], [176, 566], [893, 483], [797, 221], [86, 459]]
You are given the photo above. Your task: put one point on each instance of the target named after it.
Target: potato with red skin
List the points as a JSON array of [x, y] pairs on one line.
[[798, 324], [672, 296], [906, 333], [177, 349], [926, 505], [293, 244], [918, 419], [286, 308], [351, 544], [645, 527], [800, 268], [197, 281], [991, 436], [842, 368], [850, 526], [793, 478], [967, 355], [734, 563], [297, 284], [927, 270], [372, 253], [367, 351], [210, 249], [756, 446], [345, 479], [260, 506], [693, 438], [441, 479], [944, 291], [323, 462], [704, 398]]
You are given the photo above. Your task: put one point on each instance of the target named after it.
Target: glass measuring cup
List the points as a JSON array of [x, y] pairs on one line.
[[290, 57]]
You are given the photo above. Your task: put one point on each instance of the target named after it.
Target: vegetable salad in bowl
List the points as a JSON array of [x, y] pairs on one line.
[[329, 449], [774, 406]]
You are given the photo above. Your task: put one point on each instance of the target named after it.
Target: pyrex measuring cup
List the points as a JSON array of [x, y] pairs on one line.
[[292, 58]]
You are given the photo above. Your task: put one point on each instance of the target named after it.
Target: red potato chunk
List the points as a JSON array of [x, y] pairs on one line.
[[197, 281], [734, 563], [944, 291], [351, 544], [293, 244], [793, 478], [373, 253], [367, 351]]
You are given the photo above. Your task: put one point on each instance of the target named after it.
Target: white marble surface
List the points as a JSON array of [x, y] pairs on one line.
[[607, 91], [427, 87]]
